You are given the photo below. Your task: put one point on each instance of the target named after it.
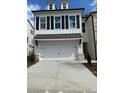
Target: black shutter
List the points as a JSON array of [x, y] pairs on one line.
[[37, 23], [78, 21], [63, 22], [83, 27], [52, 22], [66, 22], [48, 22]]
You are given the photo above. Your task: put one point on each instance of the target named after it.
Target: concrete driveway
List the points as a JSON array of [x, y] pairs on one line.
[[60, 77]]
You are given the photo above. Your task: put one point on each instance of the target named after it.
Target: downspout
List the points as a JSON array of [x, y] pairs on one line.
[[94, 38]]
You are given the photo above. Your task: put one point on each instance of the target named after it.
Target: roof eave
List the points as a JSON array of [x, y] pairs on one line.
[[38, 11]]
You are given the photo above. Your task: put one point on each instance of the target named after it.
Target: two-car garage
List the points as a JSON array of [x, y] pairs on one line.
[[49, 48], [58, 52]]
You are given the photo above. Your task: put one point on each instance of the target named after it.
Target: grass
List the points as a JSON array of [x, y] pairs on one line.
[[92, 67]]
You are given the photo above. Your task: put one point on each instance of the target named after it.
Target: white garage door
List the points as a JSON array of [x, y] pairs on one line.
[[58, 52]]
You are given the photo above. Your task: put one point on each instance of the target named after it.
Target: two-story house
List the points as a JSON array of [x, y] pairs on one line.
[[30, 38], [58, 32]]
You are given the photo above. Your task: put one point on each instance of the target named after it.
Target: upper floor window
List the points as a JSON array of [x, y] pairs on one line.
[[42, 23], [50, 7], [57, 22], [72, 21], [64, 6]]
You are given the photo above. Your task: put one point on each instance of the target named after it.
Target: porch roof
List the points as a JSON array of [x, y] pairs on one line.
[[58, 36]]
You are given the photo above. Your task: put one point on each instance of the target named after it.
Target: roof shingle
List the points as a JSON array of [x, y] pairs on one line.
[[58, 36]]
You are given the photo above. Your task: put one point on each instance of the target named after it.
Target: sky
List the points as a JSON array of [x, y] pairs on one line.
[[89, 5]]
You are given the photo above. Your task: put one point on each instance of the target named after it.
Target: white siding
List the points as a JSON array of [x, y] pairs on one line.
[[30, 44], [60, 31], [90, 37], [64, 45], [85, 36]]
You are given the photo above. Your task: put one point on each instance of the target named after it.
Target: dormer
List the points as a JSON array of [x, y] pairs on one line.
[[64, 4], [51, 4]]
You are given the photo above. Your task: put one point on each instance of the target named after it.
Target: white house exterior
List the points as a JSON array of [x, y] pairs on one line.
[[58, 32], [30, 38], [90, 35]]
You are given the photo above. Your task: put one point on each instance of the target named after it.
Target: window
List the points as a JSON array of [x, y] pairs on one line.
[[50, 6], [57, 22], [64, 6], [72, 21], [83, 27], [42, 23]]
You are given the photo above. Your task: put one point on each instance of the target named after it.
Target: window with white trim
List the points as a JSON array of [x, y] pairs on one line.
[[43, 23], [64, 6], [50, 6], [72, 21], [57, 22]]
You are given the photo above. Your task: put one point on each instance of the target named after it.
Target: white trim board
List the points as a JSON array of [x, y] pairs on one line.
[[58, 39]]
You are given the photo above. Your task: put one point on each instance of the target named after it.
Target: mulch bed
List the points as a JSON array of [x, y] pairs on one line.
[[30, 64], [92, 67], [30, 61]]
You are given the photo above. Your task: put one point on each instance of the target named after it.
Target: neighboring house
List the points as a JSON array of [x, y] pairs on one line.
[[58, 32], [30, 38], [89, 23]]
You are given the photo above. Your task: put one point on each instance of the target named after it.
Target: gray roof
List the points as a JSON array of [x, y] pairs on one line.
[[58, 36]]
